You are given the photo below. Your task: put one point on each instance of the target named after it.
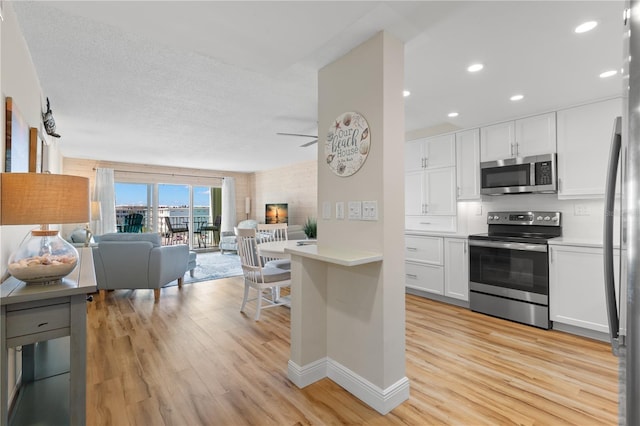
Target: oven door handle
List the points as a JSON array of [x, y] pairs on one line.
[[508, 245]]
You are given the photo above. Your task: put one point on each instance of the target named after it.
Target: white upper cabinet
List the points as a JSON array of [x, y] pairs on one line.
[[438, 151], [584, 140], [497, 141], [413, 155], [430, 192], [536, 135], [468, 164], [520, 138]]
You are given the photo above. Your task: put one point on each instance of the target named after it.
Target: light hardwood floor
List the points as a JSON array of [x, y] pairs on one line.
[[194, 359]]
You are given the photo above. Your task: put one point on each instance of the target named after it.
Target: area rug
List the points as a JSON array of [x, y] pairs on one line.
[[213, 266]]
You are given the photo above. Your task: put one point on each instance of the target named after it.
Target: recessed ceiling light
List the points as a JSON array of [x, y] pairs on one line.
[[475, 67], [517, 97], [452, 114], [586, 26], [610, 73], [406, 93]]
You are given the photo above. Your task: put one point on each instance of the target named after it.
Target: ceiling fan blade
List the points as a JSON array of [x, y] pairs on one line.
[[304, 145], [296, 134]]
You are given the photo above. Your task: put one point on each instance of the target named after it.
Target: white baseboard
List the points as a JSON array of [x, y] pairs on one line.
[[307, 374], [381, 400]]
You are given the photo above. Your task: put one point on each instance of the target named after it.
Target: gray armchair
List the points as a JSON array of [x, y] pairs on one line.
[[228, 238], [138, 261]]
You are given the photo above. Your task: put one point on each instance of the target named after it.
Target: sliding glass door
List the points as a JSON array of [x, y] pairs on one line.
[[133, 199], [181, 213]]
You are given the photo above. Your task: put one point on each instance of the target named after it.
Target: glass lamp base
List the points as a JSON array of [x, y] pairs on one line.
[[43, 258]]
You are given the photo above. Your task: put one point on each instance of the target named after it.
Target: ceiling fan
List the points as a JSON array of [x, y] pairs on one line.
[[301, 135]]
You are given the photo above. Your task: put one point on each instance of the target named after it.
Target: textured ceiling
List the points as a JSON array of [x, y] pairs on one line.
[[208, 84]]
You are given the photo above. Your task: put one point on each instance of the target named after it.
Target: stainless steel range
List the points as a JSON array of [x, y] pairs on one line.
[[509, 266]]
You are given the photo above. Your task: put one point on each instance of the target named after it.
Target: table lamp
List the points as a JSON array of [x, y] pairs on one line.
[[41, 198]]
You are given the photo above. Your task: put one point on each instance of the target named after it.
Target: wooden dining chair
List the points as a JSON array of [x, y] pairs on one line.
[[259, 276]]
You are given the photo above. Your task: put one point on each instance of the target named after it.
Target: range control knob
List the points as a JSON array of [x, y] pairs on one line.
[[555, 218], [490, 217], [539, 218], [547, 218]]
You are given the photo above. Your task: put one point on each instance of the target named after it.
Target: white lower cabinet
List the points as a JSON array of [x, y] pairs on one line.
[[576, 286], [437, 265], [456, 268], [423, 276]]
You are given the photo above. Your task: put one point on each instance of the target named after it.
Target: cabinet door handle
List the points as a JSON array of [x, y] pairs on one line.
[[458, 191], [550, 254], [426, 162], [559, 184], [425, 223], [426, 208], [465, 247], [511, 150], [517, 149], [412, 249], [413, 276]]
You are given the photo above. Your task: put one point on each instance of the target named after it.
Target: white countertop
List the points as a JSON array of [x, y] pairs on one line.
[[338, 256], [436, 234], [578, 241]]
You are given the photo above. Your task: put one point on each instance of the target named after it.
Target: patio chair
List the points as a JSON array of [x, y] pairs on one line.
[[133, 222], [256, 275], [176, 234]]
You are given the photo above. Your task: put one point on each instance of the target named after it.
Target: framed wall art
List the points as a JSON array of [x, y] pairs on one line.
[[36, 151], [348, 143], [276, 213], [16, 140]]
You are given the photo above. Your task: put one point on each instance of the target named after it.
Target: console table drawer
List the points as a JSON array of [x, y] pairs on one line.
[[37, 320]]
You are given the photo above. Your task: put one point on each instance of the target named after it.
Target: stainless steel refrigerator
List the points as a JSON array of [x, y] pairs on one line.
[[623, 305]]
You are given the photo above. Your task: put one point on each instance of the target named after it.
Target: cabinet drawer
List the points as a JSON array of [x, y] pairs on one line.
[[37, 320], [424, 277], [430, 223], [423, 249]]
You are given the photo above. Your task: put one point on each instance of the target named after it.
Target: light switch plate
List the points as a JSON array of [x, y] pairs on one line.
[[355, 210], [326, 210], [369, 210], [340, 210]]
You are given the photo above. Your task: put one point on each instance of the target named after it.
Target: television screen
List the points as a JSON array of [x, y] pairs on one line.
[[276, 213]]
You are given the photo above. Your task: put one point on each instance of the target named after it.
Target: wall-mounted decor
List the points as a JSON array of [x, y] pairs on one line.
[[49, 122], [348, 143], [16, 140], [276, 213], [36, 151]]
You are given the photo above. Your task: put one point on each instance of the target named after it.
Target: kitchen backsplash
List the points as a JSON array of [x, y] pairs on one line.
[[581, 219]]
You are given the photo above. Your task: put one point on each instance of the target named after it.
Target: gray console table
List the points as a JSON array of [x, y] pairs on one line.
[[39, 313]]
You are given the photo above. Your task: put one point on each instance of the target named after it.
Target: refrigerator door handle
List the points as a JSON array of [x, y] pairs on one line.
[[610, 193]]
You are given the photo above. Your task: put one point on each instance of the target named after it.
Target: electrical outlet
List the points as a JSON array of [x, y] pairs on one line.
[[581, 210], [369, 210], [355, 210], [478, 209], [340, 210]]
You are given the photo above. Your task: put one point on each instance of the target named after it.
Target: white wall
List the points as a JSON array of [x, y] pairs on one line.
[[18, 80], [296, 185], [365, 306], [574, 226]]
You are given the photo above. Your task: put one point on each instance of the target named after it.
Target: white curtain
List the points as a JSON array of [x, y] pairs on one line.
[[228, 204], [104, 192]]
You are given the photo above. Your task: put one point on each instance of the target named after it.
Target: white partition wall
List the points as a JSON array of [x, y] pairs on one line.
[[348, 321]]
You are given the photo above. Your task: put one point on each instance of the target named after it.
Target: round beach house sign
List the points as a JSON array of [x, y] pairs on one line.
[[348, 143]]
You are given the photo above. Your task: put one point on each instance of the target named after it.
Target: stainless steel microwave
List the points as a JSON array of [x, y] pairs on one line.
[[519, 175]]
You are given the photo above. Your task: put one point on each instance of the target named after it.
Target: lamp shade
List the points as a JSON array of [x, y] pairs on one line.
[[41, 198]]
